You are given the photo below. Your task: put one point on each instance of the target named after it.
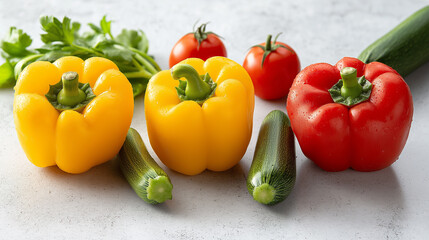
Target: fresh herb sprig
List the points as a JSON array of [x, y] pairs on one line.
[[128, 50]]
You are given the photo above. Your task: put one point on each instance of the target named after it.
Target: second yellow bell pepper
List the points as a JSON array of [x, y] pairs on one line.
[[63, 122], [204, 122]]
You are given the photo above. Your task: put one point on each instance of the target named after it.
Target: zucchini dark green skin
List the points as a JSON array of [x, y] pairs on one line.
[[144, 175], [273, 171], [404, 48]]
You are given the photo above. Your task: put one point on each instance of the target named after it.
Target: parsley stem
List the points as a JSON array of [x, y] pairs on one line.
[[139, 74], [137, 64], [146, 64], [87, 50], [147, 58]]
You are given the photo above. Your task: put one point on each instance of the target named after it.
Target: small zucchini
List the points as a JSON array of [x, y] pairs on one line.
[[144, 175], [404, 48], [273, 170]]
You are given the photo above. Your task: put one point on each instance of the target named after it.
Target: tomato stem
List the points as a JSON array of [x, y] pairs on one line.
[[268, 43], [200, 34], [270, 46]]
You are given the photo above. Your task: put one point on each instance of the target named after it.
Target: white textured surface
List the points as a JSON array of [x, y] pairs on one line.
[[393, 203]]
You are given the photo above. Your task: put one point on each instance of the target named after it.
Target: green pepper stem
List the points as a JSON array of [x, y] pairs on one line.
[[159, 189], [351, 87], [268, 46], [264, 193], [196, 88], [70, 95]]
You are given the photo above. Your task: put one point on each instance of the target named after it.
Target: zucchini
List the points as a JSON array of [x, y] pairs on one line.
[[144, 175], [404, 48], [273, 171]]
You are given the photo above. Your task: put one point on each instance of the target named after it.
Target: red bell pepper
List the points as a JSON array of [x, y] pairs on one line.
[[344, 122]]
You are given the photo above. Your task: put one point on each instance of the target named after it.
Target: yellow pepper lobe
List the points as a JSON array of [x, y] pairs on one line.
[[188, 137], [74, 141], [35, 133]]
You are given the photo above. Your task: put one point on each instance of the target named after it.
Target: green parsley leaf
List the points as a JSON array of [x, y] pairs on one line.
[[134, 39], [105, 26], [139, 86], [115, 52], [128, 50], [7, 78], [16, 42], [96, 29], [57, 31]]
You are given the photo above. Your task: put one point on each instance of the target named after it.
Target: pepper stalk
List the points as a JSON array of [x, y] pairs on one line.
[[69, 93], [197, 87], [350, 90]]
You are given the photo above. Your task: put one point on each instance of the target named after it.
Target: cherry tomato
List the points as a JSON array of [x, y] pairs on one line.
[[198, 44], [272, 67]]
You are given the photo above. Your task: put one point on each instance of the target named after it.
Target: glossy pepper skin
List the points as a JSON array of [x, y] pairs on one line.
[[188, 137], [72, 140], [368, 136]]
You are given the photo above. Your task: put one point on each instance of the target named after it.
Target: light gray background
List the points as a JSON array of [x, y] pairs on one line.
[[38, 203]]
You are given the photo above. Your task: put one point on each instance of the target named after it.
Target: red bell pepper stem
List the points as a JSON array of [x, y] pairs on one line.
[[351, 87]]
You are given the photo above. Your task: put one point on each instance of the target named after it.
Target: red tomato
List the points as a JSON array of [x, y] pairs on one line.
[[272, 68], [198, 44]]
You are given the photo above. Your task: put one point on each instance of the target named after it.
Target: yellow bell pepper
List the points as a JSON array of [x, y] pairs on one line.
[[56, 128], [201, 123]]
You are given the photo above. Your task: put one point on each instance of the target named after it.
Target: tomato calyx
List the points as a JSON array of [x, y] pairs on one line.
[[200, 34], [270, 46]]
